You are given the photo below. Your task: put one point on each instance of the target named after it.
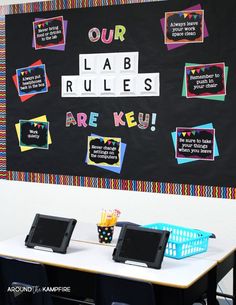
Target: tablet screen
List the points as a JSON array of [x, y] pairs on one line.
[[49, 232], [140, 245]]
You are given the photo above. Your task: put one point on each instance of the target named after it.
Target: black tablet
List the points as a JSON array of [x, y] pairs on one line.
[[50, 233], [141, 246]]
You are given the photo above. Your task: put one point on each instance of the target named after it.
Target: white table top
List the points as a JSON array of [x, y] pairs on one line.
[[218, 249], [97, 258]]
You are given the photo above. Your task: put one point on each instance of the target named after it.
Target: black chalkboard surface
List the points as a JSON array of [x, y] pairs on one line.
[[142, 109]]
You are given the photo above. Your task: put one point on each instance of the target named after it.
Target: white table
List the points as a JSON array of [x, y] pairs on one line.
[[223, 251], [174, 280], [180, 280], [97, 258]]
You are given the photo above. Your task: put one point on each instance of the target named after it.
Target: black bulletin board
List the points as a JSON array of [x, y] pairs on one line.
[[150, 154]]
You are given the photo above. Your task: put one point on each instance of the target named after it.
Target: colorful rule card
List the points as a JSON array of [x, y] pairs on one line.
[[48, 33], [31, 80], [184, 27], [205, 80], [114, 169], [208, 97], [41, 119], [104, 151], [34, 134], [195, 143]]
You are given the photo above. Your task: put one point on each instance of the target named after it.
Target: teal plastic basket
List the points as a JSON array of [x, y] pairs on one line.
[[183, 242]]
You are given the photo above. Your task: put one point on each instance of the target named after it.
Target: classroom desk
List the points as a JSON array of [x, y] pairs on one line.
[[220, 250], [178, 282], [223, 252]]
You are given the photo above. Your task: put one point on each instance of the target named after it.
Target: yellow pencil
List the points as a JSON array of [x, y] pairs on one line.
[[103, 218]]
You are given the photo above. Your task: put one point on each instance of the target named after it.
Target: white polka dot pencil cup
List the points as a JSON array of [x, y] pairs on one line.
[[105, 234]]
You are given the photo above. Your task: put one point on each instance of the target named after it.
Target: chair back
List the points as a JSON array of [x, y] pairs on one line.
[[22, 282], [121, 291], [21, 294]]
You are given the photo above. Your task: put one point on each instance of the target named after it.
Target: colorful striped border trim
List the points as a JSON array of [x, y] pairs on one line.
[[2, 100], [106, 183], [127, 185]]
